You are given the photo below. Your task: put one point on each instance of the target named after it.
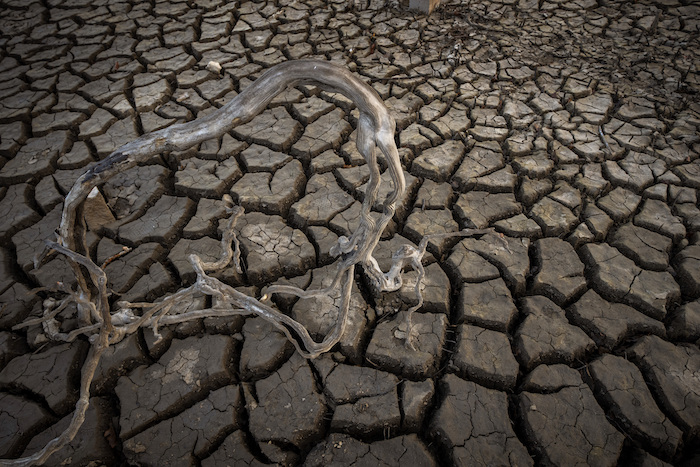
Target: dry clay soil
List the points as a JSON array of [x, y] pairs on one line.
[[569, 336]]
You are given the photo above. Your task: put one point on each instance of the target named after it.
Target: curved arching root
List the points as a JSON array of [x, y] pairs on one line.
[[105, 326]]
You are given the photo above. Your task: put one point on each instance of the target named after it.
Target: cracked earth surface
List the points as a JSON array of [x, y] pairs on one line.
[[571, 128]]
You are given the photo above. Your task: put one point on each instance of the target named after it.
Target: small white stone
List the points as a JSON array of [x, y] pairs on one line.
[[214, 67]]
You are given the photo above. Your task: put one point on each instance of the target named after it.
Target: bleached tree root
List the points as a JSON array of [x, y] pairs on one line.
[[104, 326]]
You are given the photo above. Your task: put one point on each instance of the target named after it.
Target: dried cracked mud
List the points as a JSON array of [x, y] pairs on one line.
[[570, 336]]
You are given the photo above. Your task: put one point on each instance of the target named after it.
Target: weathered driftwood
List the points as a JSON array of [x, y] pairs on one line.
[[105, 326]]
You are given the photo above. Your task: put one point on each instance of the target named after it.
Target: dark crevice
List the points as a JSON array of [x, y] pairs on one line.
[[518, 425]]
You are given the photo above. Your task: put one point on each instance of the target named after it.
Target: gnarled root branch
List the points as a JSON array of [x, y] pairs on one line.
[[105, 327]]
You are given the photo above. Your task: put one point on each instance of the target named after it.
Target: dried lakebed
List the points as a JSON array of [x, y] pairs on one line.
[[568, 336]]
